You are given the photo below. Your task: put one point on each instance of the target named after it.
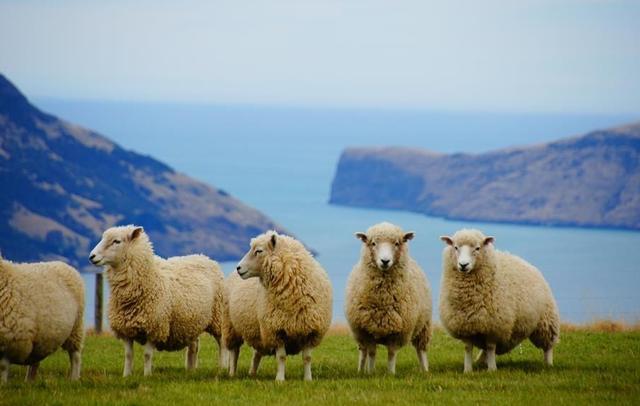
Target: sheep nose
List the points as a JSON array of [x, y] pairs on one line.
[[463, 266], [92, 256], [238, 268], [385, 262]]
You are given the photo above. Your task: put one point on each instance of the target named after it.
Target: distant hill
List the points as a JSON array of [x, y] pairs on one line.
[[62, 185], [588, 181]]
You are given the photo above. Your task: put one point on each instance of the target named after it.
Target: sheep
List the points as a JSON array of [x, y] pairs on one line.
[[494, 300], [388, 298], [41, 310], [293, 300], [163, 304], [239, 324]]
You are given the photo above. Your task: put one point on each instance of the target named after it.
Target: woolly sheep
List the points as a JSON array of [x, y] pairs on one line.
[[388, 298], [293, 301], [163, 304], [240, 321], [494, 300], [41, 310]]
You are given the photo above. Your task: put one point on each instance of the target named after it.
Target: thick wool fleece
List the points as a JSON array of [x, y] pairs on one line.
[[294, 304], [168, 302], [503, 299], [41, 310], [240, 321], [389, 307]]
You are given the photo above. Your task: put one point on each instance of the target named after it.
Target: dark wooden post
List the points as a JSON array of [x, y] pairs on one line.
[[98, 303]]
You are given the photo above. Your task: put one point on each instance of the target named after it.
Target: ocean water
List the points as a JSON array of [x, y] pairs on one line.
[[282, 161]]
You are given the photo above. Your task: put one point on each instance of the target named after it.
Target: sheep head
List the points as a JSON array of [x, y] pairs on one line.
[[467, 248], [261, 248], [384, 244], [115, 244]]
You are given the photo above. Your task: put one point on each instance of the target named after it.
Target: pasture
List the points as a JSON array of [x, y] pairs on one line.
[[591, 365]]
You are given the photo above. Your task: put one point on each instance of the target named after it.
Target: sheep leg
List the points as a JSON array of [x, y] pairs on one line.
[[362, 359], [422, 358], [281, 358], [548, 356], [468, 356], [255, 363], [222, 354], [233, 360], [197, 352], [192, 355], [392, 353], [371, 359], [75, 359], [4, 370], [32, 371], [306, 360], [224, 358], [128, 358], [148, 358], [482, 358], [491, 357]]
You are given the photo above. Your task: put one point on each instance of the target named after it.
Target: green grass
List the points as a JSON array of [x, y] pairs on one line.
[[590, 367]]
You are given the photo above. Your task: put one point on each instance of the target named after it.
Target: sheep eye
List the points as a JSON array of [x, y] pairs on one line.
[[258, 252], [455, 248], [397, 244], [373, 244], [116, 242], [477, 249]]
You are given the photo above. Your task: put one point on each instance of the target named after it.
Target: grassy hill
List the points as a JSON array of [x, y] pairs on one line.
[[591, 366]]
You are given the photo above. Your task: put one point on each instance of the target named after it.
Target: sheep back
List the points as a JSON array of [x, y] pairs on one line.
[[46, 308]]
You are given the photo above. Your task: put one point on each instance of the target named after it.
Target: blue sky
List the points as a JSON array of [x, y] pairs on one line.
[[565, 56]]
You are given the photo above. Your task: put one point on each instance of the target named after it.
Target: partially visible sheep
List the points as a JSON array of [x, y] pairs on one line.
[[294, 299], [41, 310], [494, 300], [240, 322], [163, 304], [388, 299]]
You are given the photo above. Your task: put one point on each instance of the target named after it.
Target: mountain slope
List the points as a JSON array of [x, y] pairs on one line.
[[591, 180], [62, 185]]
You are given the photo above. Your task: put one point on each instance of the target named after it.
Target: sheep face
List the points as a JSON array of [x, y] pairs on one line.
[[251, 264], [384, 249], [115, 241], [467, 247]]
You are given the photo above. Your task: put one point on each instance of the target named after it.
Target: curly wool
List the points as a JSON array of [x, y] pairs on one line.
[[168, 302], [41, 310], [240, 322], [504, 299], [291, 301], [295, 305], [390, 307]]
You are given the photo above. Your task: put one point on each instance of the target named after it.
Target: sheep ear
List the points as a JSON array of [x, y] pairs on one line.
[[488, 240], [448, 240], [136, 233], [361, 236], [408, 236], [273, 239]]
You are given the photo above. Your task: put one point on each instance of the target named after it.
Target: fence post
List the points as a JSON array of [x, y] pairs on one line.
[[98, 303]]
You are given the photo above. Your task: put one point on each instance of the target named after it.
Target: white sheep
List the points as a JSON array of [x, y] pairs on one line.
[[240, 321], [41, 310], [494, 300], [163, 304], [388, 298], [293, 301]]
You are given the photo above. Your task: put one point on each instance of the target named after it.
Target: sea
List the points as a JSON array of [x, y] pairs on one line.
[[282, 159]]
